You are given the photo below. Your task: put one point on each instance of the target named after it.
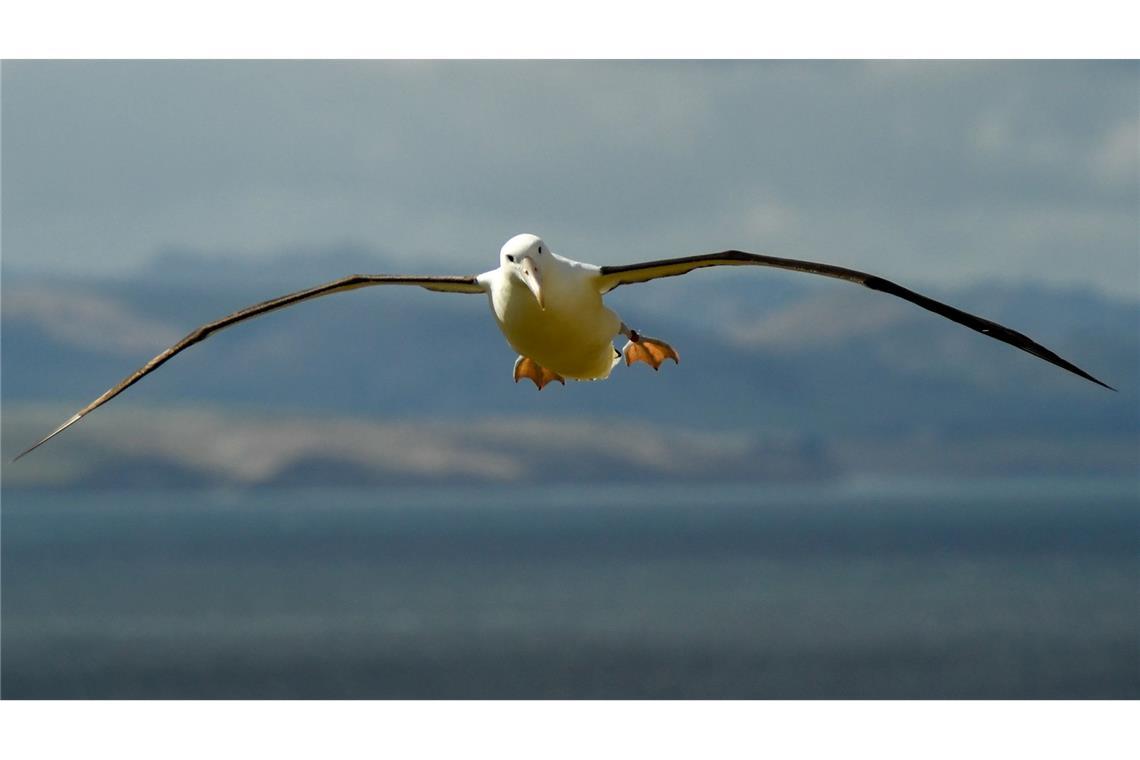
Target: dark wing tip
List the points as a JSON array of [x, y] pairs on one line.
[[1103, 385], [1080, 372], [25, 452], [978, 324], [74, 418], [1041, 352]]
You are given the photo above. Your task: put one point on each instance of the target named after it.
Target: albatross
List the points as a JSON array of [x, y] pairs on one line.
[[550, 310]]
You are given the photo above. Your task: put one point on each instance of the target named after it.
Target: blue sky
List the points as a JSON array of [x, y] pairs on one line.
[[931, 173]]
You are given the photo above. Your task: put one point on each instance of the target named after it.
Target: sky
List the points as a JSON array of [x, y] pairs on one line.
[[941, 173]]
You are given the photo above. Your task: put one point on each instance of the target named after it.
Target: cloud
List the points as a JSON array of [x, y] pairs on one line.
[[88, 321], [820, 321], [611, 161], [1116, 160]]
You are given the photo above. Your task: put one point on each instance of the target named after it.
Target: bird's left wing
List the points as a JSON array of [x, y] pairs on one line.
[[352, 282], [610, 277]]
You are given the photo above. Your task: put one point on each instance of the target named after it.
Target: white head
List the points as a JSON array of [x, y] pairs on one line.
[[522, 257]]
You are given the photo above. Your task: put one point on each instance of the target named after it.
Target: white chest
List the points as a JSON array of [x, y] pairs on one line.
[[572, 336]]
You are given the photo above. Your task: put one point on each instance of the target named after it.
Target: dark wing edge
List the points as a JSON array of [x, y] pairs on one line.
[[445, 284], [611, 277]]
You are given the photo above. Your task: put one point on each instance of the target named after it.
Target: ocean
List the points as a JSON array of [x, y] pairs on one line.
[[990, 589]]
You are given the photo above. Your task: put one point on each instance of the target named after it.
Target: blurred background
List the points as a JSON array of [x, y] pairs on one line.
[[835, 494]]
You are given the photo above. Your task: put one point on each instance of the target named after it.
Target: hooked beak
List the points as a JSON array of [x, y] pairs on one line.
[[532, 279]]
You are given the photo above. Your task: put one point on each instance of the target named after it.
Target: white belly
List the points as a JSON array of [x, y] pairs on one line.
[[572, 336]]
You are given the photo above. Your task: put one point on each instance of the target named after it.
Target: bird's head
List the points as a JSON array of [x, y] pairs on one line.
[[523, 257]]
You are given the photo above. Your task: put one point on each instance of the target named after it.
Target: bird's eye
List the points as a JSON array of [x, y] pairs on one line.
[[510, 258], [540, 249]]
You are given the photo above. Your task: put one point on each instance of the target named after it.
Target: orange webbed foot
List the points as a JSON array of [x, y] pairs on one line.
[[529, 368], [653, 352]]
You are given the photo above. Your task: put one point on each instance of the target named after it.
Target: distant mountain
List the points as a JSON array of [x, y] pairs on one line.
[[835, 378]]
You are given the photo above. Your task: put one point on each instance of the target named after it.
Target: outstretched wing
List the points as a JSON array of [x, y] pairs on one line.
[[611, 277], [352, 282]]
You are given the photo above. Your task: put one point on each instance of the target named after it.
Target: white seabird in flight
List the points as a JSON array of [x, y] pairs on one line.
[[550, 310]]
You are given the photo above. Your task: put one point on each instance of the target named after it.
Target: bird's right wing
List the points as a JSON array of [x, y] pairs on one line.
[[438, 283]]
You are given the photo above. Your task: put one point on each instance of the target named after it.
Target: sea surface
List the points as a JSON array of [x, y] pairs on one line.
[[999, 589]]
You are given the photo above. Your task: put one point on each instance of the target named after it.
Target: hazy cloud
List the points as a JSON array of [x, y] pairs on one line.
[[938, 171], [820, 321], [88, 321]]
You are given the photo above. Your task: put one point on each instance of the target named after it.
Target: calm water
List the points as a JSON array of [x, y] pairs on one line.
[[1009, 589]]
